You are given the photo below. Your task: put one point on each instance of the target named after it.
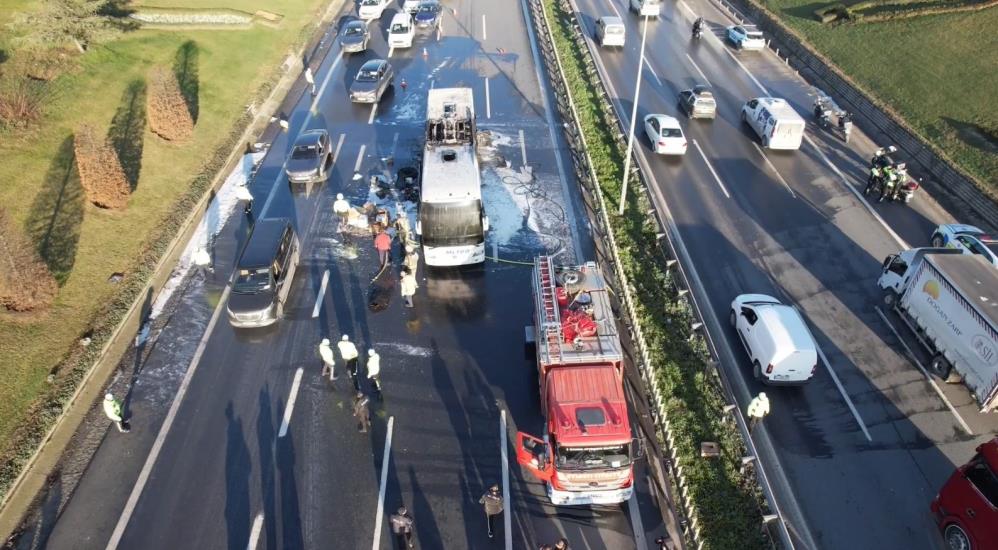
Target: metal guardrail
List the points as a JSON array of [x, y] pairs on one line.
[[587, 176]]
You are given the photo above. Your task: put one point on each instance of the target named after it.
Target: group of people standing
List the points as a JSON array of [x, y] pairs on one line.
[[350, 356]]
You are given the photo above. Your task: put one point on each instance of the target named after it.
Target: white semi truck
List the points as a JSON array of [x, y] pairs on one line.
[[950, 301]]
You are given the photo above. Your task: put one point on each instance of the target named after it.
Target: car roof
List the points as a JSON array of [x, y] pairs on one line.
[[666, 121], [964, 229], [310, 136], [263, 243], [701, 89], [785, 326], [612, 20], [356, 23]]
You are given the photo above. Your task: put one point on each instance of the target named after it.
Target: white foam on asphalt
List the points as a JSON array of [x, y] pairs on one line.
[[410, 109], [219, 211], [406, 349]]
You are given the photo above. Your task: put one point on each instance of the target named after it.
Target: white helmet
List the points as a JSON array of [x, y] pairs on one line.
[[108, 397], [339, 196], [325, 341], [345, 338], [409, 248], [371, 352]]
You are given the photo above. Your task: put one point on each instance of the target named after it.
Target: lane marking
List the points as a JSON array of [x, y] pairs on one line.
[[360, 158], [290, 407], [614, 8], [376, 545], [652, 71], [374, 110], [925, 372], [391, 50], [171, 415], [711, 168], [322, 292], [507, 517], [636, 526], [488, 103], [744, 68], [773, 168], [339, 145], [255, 532], [485, 34], [858, 194], [687, 8], [697, 67], [835, 378], [308, 118], [523, 148]]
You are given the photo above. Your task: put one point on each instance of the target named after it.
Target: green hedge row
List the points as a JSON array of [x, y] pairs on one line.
[[728, 505]]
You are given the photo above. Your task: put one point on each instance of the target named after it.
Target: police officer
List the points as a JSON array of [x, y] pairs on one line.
[[113, 410], [402, 527], [374, 370], [349, 353], [361, 411]]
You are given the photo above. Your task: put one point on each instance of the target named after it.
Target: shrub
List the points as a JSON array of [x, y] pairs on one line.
[[25, 281], [168, 115], [101, 174], [21, 101]]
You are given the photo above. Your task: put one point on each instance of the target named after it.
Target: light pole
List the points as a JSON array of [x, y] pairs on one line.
[[634, 115]]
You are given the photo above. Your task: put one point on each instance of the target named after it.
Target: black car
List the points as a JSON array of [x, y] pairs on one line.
[[428, 14], [372, 80], [354, 37], [264, 274], [310, 157]]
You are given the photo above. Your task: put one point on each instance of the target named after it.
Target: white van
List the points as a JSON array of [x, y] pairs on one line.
[[610, 31], [401, 31], [775, 121], [646, 7], [776, 338]]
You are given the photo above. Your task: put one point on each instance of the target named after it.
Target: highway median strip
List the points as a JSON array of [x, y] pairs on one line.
[[725, 506]]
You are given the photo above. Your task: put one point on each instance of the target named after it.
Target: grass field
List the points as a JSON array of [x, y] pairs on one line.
[[42, 192], [939, 72]]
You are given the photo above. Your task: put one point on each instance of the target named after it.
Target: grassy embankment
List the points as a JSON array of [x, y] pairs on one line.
[[939, 72], [41, 189]]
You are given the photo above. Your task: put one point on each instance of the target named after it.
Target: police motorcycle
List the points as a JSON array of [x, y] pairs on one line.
[[698, 28], [845, 124], [889, 177], [823, 112]]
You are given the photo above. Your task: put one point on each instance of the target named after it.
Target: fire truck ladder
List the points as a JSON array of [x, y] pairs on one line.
[[548, 315]]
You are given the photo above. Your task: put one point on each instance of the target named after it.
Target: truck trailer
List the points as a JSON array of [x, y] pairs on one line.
[[587, 451], [950, 301]]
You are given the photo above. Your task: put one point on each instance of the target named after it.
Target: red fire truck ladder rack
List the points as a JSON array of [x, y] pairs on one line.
[[547, 307]]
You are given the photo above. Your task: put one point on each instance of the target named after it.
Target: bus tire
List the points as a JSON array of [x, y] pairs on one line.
[[940, 366]]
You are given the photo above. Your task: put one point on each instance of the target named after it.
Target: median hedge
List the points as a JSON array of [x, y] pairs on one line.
[[728, 505]]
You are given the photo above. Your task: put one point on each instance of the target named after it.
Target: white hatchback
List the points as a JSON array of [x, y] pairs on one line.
[[665, 135], [372, 9]]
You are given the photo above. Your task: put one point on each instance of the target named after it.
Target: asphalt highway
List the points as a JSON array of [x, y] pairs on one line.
[[258, 450], [856, 455]]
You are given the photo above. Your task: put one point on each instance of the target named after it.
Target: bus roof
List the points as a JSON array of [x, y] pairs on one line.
[[592, 392], [450, 173], [439, 97]]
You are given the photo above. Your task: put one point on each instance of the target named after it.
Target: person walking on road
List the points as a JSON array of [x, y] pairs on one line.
[[757, 410], [411, 261], [374, 370], [491, 502], [348, 352], [112, 409], [342, 210], [402, 527], [328, 359], [310, 79], [408, 286], [562, 544], [362, 412], [383, 243]]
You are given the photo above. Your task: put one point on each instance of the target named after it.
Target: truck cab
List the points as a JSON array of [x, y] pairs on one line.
[[966, 508]]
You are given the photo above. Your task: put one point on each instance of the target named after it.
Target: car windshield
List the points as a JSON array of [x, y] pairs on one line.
[[615, 30], [456, 223], [672, 132], [584, 458], [353, 30], [367, 75], [754, 34], [369, 3], [251, 281], [305, 151]]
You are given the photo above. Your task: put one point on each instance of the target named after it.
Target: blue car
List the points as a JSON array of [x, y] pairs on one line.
[[427, 15]]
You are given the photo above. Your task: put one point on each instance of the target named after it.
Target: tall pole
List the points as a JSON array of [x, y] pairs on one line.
[[634, 115]]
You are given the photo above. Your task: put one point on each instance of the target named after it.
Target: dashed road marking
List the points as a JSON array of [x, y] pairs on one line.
[[360, 158], [339, 145], [773, 168], [485, 34], [488, 102], [374, 111], [376, 545], [255, 532], [697, 67], [652, 71], [523, 148], [322, 293], [290, 407], [711, 168]]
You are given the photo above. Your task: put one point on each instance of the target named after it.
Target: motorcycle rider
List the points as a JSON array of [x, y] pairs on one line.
[[698, 27], [845, 124], [888, 187]]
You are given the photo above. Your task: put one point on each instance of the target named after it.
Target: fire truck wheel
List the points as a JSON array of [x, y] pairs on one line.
[[956, 538]]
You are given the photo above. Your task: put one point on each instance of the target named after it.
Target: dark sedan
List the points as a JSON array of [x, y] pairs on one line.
[[310, 157], [372, 80], [354, 37], [428, 14]]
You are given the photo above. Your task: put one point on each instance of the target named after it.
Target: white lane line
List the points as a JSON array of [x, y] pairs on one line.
[[914, 359], [697, 67], [711, 168], [744, 68], [835, 378], [325, 82], [360, 158], [391, 50], [376, 545], [374, 111], [290, 407], [171, 415], [859, 195], [507, 516], [773, 168], [255, 532], [523, 148], [652, 71], [614, 8], [687, 8], [488, 102], [339, 145], [637, 527], [322, 293], [485, 34]]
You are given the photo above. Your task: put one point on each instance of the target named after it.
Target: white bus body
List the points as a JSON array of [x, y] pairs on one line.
[[452, 221]]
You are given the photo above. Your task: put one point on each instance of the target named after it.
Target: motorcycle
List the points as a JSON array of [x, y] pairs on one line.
[[907, 185], [697, 32], [845, 125], [821, 113]]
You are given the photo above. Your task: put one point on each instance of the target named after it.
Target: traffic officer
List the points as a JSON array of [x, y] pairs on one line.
[[112, 409], [374, 370], [328, 360], [361, 411], [402, 527], [758, 409], [349, 353]]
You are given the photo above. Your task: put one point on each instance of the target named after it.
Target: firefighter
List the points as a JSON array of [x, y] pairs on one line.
[[408, 286], [402, 527], [342, 210], [374, 370], [328, 359], [348, 352], [411, 261], [113, 411]]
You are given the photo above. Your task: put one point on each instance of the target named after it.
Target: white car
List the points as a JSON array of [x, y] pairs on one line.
[[411, 5], [969, 239], [746, 37], [776, 339], [665, 135], [610, 31], [372, 9]]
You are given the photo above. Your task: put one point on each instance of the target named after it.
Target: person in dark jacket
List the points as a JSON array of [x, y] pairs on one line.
[[491, 502], [361, 411], [562, 544], [402, 527]]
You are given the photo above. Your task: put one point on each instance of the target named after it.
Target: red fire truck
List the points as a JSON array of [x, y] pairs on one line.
[[586, 453]]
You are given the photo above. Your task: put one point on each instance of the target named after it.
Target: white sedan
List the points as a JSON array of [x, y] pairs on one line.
[[969, 239], [665, 135], [746, 38], [372, 9]]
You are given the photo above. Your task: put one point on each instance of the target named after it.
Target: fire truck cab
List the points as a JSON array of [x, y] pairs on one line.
[[587, 451]]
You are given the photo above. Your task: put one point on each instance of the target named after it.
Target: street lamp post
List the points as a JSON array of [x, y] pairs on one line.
[[634, 115]]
